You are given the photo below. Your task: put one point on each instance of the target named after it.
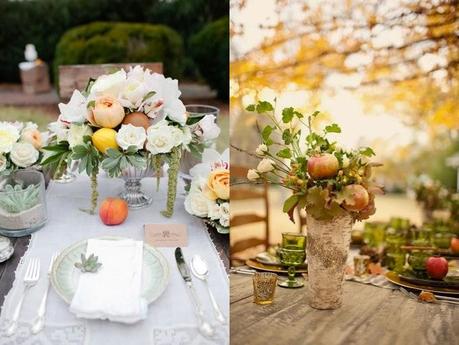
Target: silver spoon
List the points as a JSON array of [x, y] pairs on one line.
[[200, 270]]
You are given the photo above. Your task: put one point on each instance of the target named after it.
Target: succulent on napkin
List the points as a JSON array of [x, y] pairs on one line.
[[89, 264]]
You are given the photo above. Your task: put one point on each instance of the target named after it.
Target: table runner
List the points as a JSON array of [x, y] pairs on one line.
[[170, 318]]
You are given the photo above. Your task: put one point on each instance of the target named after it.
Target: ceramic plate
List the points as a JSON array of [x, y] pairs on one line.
[[267, 259], [64, 276], [273, 268], [395, 279], [447, 282]]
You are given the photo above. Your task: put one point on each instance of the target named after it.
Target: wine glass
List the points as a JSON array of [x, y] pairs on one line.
[[292, 253]]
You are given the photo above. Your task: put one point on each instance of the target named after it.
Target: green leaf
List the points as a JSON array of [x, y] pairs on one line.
[[251, 107], [333, 128], [148, 95], [266, 133], [287, 115], [314, 114], [263, 107], [284, 153], [290, 203], [287, 137], [367, 151], [91, 104]]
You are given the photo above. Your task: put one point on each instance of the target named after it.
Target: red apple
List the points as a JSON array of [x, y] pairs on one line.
[[455, 245], [437, 267], [323, 166], [357, 197], [113, 211]]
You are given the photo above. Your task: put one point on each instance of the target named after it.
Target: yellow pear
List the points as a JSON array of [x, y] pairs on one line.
[[104, 139]]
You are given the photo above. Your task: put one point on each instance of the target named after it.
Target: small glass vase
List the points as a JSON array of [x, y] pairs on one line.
[[22, 203], [69, 175], [133, 193]]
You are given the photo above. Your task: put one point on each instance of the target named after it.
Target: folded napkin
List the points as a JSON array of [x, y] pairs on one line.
[[114, 291]]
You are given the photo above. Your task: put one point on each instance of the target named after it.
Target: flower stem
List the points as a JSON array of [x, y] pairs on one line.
[[94, 192], [174, 165]]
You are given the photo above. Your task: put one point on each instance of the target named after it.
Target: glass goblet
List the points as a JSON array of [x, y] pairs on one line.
[[292, 258]]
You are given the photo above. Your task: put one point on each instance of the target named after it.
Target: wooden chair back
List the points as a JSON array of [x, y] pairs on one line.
[[75, 77], [243, 192]]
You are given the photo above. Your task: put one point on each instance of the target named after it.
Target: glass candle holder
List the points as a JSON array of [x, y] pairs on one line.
[[264, 287]]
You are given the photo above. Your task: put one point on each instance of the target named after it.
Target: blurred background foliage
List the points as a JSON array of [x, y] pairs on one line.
[[44, 22]]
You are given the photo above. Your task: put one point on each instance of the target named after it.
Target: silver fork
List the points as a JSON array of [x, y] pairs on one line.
[[39, 322], [30, 279]]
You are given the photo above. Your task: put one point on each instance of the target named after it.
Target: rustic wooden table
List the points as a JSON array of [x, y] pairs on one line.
[[369, 315]]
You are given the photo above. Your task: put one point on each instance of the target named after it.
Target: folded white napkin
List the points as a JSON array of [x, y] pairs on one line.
[[114, 292]]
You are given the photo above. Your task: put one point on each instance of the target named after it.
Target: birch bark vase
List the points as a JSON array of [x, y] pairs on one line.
[[327, 250]]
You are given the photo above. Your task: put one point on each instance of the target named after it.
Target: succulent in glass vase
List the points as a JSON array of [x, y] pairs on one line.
[[17, 198]]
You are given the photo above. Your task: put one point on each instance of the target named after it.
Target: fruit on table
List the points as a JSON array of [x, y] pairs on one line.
[[323, 166], [104, 139], [357, 197], [137, 119], [113, 211], [455, 245], [437, 267]]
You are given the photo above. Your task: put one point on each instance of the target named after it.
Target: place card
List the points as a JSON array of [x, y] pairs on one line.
[[166, 235]]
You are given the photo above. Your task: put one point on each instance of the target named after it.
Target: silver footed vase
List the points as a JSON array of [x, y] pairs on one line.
[[133, 193], [327, 251]]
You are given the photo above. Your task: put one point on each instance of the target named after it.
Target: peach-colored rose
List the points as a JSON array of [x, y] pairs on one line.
[[217, 186], [107, 112], [33, 136]]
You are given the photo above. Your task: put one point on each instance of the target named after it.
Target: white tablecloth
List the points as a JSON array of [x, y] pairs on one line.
[[170, 321]]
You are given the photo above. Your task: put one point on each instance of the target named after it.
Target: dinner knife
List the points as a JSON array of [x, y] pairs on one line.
[[205, 327]]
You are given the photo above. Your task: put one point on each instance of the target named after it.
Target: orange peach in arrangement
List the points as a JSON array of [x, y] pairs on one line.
[[113, 211], [323, 166], [137, 119]]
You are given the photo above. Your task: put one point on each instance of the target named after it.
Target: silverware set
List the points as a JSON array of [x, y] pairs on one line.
[[200, 270], [432, 298], [31, 277]]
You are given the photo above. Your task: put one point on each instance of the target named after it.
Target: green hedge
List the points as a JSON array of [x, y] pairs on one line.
[[43, 22], [106, 42], [210, 50]]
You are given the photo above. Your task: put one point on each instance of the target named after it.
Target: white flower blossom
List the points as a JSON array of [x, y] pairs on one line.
[[266, 165], [24, 154], [76, 133], [207, 129], [75, 110], [253, 175], [129, 135], [9, 134], [261, 150], [196, 203]]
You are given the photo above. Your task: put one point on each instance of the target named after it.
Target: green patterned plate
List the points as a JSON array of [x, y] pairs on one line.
[[64, 276]]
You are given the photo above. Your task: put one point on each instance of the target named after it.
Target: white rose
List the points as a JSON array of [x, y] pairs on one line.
[[109, 84], [162, 139], [261, 150], [253, 175], [177, 134], [9, 134], [345, 162], [129, 135], [134, 89], [24, 154], [75, 110], [207, 129], [59, 130], [76, 134], [197, 204], [3, 163], [225, 214], [266, 165]]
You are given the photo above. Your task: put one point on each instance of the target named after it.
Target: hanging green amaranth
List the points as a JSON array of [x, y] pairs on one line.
[[157, 165], [174, 166]]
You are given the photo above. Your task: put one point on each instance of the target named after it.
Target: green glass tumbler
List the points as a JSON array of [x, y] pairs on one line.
[[292, 253]]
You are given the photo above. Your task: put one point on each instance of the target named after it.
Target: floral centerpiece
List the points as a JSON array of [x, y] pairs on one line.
[[208, 195], [332, 184], [128, 124], [20, 145]]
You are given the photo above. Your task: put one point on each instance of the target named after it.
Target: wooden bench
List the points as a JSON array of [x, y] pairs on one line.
[[73, 77]]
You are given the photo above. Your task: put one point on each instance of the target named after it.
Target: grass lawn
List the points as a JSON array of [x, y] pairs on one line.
[[40, 115]]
